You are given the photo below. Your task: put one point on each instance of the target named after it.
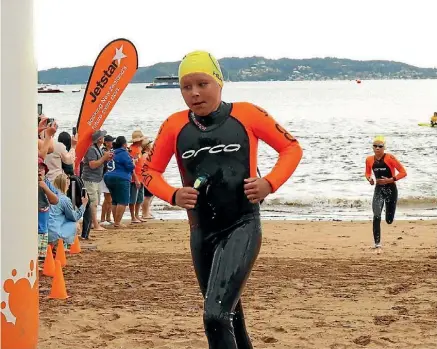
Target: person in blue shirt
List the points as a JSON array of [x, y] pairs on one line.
[[118, 177], [63, 216], [47, 195]]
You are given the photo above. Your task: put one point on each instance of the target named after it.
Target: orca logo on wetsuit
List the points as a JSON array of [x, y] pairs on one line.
[[212, 150], [285, 133]]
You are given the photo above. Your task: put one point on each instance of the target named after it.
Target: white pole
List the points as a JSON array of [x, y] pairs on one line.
[[18, 188]]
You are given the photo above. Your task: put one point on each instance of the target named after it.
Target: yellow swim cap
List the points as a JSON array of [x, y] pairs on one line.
[[379, 139], [201, 62]]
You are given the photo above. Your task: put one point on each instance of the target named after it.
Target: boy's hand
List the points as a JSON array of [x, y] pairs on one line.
[[256, 189]]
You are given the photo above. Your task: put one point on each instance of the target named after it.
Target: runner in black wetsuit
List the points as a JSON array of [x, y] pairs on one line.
[[215, 144], [383, 166]]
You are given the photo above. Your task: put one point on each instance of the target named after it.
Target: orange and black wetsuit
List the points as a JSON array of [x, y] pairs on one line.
[[387, 193], [225, 227]]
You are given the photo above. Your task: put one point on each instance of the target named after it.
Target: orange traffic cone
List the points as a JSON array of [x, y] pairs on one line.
[[75, 248], [60, 253], [58, 290], [49, 263]]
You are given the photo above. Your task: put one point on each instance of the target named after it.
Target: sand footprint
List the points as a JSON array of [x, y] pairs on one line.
[[269, 339], [113, 317], [363, 340], [337, 346], [135, 331], [384, 320], [107, 337]]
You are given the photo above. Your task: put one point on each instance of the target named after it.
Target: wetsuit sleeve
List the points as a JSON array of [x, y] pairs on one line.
[[290, 152], [157, 161], [368, 173], [398, 166]]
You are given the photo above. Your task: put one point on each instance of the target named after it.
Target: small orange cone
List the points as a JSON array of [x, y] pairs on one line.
[[60, 253], [75, 248], [49, 263], [58, 290]]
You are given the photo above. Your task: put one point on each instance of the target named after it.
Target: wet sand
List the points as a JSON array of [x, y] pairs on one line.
[[314, 285]]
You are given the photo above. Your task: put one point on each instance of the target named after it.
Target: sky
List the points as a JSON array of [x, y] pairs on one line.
[[72, 33]]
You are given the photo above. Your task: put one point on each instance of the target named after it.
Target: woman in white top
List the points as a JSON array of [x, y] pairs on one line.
[[64, 152]]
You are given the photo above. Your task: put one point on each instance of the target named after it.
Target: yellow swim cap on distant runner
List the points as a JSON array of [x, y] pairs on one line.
[[379, 139], [201, 62]]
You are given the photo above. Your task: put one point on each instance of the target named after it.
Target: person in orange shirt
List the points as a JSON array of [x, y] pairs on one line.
[[215, 144], [384, 166], [136, 187], [148, 196]]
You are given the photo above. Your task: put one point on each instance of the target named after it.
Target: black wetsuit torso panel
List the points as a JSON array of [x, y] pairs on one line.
[[381, 169], [216, 147], [225, 227]]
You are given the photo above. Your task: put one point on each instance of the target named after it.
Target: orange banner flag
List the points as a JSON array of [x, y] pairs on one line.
[[113, 69]]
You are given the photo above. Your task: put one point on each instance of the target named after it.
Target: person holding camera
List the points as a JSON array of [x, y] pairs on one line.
[[92, 173], [61, 157], [46, 130]]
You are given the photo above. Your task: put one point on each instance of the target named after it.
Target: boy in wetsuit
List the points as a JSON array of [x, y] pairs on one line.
[[383, 166], [215, 144]]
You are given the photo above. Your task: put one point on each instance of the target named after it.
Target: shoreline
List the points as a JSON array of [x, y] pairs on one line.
[[313, 214]]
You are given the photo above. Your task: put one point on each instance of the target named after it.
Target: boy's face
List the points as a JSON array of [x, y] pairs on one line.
[[201, 93]]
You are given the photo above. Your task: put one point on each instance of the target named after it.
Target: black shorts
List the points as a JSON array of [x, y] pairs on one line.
[[147, 193]]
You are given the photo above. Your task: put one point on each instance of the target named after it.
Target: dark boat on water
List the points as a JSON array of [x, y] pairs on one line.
[[48, 89]]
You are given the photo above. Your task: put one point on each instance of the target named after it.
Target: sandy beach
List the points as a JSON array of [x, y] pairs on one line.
[[315, 285]]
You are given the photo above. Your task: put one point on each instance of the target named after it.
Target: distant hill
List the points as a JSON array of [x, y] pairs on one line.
[[262, 69]]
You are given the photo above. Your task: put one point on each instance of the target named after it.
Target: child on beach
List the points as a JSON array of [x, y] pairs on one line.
[[215, 144], [47, 195], [63, 217]]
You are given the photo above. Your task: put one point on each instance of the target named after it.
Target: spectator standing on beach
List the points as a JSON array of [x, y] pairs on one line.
[[136, 196], [61, 157], [105, 217], [118, 178], [46, 131], [66, 139], [92, 173], [146, 146]]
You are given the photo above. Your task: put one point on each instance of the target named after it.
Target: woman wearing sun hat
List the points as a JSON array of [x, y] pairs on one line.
[[136, 187], [384, 166], [146, 146]]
